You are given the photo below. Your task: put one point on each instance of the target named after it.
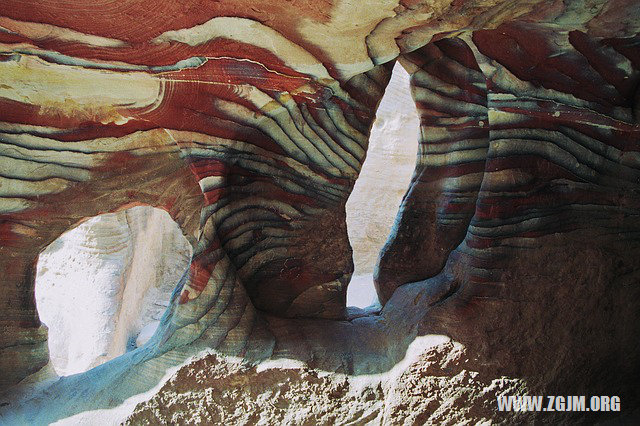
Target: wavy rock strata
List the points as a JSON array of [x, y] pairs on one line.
[[249, 124]]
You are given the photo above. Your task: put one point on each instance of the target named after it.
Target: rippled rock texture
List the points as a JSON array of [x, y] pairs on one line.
[[249, 124]]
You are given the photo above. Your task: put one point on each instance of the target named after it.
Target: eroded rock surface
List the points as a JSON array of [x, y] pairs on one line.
[[249, 124], [438, 384]]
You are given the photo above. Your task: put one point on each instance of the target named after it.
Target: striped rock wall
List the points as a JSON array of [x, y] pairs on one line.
[[524, 202], [249, 124], [451, 96]]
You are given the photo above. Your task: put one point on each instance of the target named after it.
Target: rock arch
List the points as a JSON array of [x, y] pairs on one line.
[[251, 135]]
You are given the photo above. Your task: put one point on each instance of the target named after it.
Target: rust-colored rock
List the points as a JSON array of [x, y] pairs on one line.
[[249, 124]]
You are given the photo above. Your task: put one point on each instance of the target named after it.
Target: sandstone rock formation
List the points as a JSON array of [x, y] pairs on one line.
[[385, 175], [105, 282], [249, 123], [435, 384]]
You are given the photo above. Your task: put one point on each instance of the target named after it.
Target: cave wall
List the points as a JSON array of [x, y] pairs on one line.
[[533, 218], [249, 125]]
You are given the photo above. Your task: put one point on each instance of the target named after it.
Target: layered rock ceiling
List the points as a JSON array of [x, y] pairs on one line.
[[248, 122]]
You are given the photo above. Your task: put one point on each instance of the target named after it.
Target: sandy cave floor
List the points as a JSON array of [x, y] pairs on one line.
[[437, 383]]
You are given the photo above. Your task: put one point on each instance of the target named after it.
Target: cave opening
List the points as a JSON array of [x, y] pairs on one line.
[[383, 181], [102, 287]]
